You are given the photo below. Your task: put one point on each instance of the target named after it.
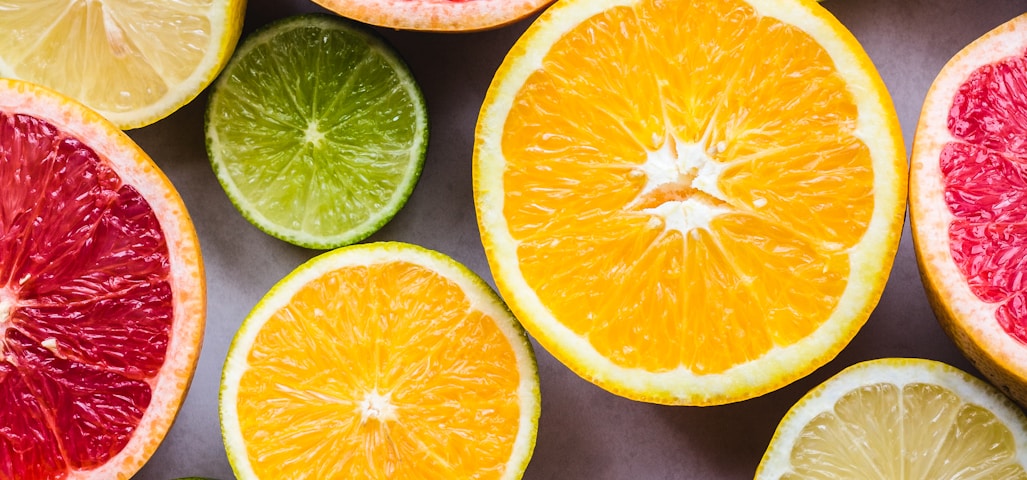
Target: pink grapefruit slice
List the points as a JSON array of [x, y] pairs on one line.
[[436, 15], [968, 202], [102, 294]]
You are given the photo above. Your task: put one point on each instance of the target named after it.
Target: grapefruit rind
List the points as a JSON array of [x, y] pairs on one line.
[[481, 298], [136, 168], [871, 259], [968, 320], [897, 371], [437, 16]]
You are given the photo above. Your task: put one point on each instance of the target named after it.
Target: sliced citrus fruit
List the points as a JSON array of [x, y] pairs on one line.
[[102, 297], [436, 15], [968, 192], [134, 62], [689, 202], [317, 131], [903, 419], [381, 360]]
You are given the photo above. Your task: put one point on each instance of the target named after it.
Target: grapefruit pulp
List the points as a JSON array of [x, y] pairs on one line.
[[101, 293], [968, 202], [436, 15]]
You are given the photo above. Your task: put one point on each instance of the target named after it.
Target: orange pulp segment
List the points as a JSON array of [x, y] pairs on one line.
[[382, 368]]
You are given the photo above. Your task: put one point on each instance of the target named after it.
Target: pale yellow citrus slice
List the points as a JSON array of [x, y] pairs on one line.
[[133, 61], [436, 15], [381, 360], [689, 202], [102, 293], [967, 202], [896, 418]]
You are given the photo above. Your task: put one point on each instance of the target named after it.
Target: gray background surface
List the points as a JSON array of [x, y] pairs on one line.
[[584, 432]]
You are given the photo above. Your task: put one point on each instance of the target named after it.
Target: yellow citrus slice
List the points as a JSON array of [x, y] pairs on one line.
[[133, 61], [689, 202], [383, 360], [899, 418], [102, 298], [436, 15], [967, 202]]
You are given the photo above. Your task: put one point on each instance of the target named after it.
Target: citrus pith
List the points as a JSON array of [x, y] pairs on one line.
[[381, 360], [966, 202], [102, 298], [689, 202]]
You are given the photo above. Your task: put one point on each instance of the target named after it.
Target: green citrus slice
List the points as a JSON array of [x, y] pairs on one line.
[[317, 131]]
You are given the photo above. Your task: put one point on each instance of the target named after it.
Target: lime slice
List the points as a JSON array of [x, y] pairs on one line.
[[317, 131]]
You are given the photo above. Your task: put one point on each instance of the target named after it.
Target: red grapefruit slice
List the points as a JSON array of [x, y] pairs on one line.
[[968, 202], [436, 15], [102, 294]]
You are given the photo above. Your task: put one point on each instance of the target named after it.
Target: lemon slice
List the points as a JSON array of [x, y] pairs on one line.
[[899, 419], [133, 62]]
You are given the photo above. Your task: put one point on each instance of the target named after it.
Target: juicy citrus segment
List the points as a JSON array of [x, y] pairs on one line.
[[317, 131], [436, 15], [131, 61], [683, 205], [382, 361], [899, 418], [101, 293], [967, 186]]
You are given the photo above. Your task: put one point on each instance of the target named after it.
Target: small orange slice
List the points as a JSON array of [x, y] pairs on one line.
[[968, 202], [689, 202], [382, 360], [102, 298]]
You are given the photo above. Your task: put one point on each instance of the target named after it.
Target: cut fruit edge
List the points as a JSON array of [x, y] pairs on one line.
[[480, 296], [418, 149], [437, 16], [219, 50], [968, 320], [871, 259], [187, 279], [899, 372]]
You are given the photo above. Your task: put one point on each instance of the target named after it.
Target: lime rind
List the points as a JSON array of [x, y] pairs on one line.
[[317, 131]]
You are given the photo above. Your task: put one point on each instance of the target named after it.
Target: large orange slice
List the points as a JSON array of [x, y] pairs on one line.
[[101, 293], [968, 202], [380, 361], [689, 202], [436, 15]]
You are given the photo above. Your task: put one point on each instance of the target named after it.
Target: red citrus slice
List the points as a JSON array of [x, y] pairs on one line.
[[436, 15], [968, 202], [101, 293]]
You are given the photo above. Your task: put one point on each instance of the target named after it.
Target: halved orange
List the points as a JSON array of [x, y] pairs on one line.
[[102, 298], [436, 15], [968, 193], [381, 360], [689, 202]]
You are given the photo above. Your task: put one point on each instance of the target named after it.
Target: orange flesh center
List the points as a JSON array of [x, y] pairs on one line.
[[701, 199], [384, 371]]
